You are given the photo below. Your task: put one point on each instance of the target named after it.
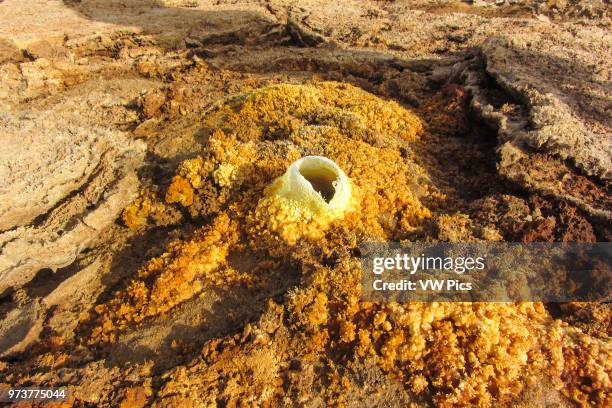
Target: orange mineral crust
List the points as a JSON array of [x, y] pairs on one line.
[[453, 354]]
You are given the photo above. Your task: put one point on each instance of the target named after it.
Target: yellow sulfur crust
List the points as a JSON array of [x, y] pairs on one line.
[[459, 354]]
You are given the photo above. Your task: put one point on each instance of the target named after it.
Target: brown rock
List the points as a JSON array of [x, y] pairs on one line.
[[152, 103], [44, 49], [9, 52], [73, 181]]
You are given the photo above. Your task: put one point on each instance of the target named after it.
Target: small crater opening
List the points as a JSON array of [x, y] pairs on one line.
[[322, 181]]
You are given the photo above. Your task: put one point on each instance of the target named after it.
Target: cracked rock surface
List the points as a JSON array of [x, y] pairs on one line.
[[554, 125], [62, 184]]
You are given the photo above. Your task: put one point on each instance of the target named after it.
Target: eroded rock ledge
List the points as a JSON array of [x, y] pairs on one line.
[[554, 136], [60, 185]]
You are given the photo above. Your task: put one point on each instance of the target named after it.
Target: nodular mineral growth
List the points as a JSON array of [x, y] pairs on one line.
[[460, 352]]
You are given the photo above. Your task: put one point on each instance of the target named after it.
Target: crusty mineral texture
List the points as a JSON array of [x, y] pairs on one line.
[[555, 132], [61, 184]]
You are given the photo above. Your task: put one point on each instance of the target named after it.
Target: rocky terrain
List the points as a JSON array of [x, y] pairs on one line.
[[143, 261]]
